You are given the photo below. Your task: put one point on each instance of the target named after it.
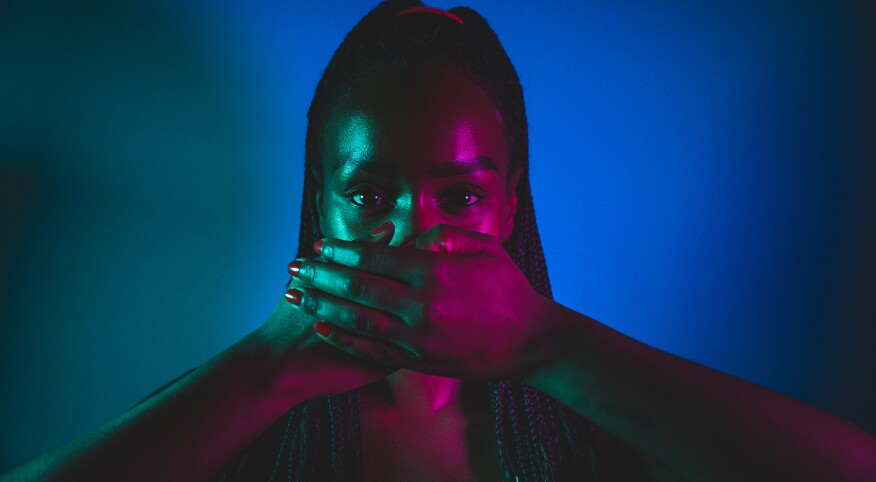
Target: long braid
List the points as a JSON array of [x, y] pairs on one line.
[[537, 454], [533, 460], [497, 403], [522, 461], [321, 439], [281, 451]]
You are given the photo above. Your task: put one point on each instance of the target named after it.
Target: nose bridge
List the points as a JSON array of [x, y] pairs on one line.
[[418, 216]]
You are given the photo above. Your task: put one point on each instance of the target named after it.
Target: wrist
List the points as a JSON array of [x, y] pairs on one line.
[[549, 328], [561, 338], [268, 369]]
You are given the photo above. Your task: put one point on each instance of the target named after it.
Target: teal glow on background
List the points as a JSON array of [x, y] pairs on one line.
[[702, 174]]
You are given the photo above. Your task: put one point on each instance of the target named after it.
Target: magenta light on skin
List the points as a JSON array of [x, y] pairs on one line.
[[696, 174], [464, 147]]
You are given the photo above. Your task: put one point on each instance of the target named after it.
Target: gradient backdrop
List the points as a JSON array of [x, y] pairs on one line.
[[703, 176]]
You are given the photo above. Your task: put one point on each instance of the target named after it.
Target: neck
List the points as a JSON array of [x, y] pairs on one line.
[[416, 391]]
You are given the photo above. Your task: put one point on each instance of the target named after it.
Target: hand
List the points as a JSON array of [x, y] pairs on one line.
[[309, 366], [456, 306]]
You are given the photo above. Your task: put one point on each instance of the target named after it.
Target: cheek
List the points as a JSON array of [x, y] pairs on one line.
[[490, 220], [341, 223]]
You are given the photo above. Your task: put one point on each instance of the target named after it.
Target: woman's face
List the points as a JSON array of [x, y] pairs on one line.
[[417, 149]]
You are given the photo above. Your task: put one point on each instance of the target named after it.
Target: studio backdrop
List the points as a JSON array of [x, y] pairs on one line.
[[702, 173]]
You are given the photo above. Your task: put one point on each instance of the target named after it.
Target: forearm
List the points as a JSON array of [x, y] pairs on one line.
[[700, 423], [186, 432]]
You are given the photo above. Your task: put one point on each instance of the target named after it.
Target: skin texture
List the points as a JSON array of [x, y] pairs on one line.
[[449, 169], [407, 179], [212, 413], [226, 403], [458, 307], [454, 307]]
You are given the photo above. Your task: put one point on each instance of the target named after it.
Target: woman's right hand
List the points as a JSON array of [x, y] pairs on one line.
[[191, 428], [308, 367]]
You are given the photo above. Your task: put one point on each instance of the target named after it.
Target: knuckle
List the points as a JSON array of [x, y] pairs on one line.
[[354, 287], [310, 303], [357, 321], [344, 343], [418, 310], [363, 324], [365, 257], [307, 272], [340, 340]]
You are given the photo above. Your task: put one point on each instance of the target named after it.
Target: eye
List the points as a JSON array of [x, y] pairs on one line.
[[463, 196], [366, 198], [366, 195]]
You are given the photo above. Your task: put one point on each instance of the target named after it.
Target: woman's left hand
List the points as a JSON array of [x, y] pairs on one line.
[[456, 306]]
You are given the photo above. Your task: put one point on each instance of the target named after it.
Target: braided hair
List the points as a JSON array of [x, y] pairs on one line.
[[538, 438]]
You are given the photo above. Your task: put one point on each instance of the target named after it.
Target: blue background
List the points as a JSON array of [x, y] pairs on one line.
[[702, 171]]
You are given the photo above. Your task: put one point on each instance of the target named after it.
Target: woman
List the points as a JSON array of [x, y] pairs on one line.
[[417, 339]]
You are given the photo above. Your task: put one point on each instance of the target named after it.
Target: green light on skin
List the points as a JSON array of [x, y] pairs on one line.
[[352, 139], [357, 137]]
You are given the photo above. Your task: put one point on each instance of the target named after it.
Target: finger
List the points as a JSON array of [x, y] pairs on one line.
[[382, 234], [358, 286], [350, 316], [401, 264], [444, 238], [365, 348]]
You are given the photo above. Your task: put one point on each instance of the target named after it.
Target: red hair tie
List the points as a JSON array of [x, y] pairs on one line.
[[432, 10]]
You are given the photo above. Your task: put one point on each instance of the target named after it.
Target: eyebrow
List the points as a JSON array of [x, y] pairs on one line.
[[445, 169], [465, 166]]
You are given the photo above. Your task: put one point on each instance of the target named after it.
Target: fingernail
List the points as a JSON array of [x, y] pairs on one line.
[[322, 328], [317, 246], [379, 229], [294, 297], [294, 267]]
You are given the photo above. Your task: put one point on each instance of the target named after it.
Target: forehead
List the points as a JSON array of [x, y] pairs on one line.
[[414, 120]]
